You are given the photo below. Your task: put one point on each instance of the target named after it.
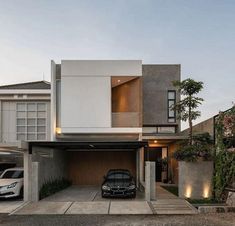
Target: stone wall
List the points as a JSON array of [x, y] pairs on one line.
[[195, 179]]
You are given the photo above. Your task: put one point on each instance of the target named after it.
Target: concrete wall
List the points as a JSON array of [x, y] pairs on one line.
[[47, 164], [195, 179], [157, 80], [202, 127]]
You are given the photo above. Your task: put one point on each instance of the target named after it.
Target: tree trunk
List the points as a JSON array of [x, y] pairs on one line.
[[190, 126]]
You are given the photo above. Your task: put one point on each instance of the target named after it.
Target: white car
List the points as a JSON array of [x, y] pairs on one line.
[[11, 183]]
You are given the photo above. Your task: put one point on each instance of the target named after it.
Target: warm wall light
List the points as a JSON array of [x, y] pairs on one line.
[[155, 141], [188, 191], [119, 80], [206, 190], [58, 130]]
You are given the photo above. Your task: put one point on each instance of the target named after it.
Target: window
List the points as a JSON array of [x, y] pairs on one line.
[[31, 121], [166, 129], [159, 129], [171, 102]]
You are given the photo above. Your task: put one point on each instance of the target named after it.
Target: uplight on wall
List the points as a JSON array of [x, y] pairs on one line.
[[188, 191], [58, 130], [206, 190]]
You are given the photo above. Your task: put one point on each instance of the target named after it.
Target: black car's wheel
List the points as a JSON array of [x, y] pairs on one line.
[[102, 194]]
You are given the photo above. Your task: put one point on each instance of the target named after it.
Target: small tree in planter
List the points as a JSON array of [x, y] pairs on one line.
[[194, 176]]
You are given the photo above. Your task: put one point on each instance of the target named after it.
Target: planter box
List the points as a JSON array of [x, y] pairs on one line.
[[195, 179]]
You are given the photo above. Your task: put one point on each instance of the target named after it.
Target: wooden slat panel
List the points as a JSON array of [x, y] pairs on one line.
[[88, 168]]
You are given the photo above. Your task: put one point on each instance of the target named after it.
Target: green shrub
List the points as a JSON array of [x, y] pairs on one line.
[[202, 147], [186, 153], [53, 186]]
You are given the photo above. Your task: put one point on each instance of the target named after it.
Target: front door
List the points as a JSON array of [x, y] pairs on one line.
[[155, 155]]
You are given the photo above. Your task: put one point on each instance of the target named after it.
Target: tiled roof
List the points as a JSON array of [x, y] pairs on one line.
[[28, 85]]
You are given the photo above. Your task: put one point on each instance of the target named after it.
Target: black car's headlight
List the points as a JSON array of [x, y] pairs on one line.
[[12, 185], [105, 187], [131, 187]]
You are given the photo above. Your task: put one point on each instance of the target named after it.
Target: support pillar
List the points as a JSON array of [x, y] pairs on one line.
[[35, 181], [150, 186]]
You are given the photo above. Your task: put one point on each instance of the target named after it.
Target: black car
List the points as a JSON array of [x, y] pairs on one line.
[[118, 183]]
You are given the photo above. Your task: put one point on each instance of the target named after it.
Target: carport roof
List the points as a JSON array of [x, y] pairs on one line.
[[88, 145]]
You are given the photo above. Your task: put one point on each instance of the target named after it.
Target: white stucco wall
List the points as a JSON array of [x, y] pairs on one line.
[[85, 102], [86, 93], [101, 68]]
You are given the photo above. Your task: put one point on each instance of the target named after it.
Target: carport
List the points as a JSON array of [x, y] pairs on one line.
[[84, 163]]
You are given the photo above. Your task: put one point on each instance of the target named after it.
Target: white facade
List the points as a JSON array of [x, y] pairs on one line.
[[85, 104]]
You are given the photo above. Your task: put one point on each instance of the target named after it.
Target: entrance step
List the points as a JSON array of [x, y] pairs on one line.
[[172, 206]]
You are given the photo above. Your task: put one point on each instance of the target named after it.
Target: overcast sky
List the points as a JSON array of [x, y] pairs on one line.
[[198, 34]]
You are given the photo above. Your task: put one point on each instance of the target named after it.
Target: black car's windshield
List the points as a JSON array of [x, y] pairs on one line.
[[118, 176], [13, 174]]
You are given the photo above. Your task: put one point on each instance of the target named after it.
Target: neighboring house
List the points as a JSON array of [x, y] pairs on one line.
[[104, 114], [25, 115]]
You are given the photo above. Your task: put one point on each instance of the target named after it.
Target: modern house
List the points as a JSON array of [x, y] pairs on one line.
[[104, 114]]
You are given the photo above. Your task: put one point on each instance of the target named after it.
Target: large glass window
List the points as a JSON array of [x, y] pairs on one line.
[[31, 121], [171, 103]]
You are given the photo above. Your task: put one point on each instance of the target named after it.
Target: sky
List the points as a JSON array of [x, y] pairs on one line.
[[198, 34]]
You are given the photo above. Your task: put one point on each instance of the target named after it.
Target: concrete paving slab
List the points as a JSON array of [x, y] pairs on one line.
[[44, 208], [130, 207], [9, 206], [139, 197], [170, 206], [98, 207], [74, 193]]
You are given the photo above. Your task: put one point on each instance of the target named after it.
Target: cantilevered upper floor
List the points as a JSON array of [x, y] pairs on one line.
[[97, 97]]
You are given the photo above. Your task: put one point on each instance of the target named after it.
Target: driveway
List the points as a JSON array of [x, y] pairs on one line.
[[88, 200], [7, 206], [84, 194]]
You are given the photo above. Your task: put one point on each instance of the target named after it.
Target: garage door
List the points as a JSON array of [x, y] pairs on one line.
[[89, 167]]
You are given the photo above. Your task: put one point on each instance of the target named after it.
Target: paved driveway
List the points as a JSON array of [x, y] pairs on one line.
[[88, 200], [85, 194], [9, 206]]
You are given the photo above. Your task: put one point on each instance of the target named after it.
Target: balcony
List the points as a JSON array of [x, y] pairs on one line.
[[126, 119]]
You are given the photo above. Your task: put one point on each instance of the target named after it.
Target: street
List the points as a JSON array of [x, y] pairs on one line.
[[223, 219]]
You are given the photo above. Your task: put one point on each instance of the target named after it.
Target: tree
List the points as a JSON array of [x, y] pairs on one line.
[[186, 108]]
